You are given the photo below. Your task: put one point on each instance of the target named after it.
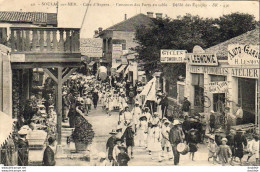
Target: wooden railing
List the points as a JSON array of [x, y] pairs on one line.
[[44, 40]]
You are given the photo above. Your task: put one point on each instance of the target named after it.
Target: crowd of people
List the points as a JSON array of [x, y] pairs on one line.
[[141, 123], [146, 124]]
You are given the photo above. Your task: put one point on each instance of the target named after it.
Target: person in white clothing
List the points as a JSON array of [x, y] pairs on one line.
[[239, 115], [142, 130], [153, 122], [165, 139], [136, 113], [128, 117], [254, 149]]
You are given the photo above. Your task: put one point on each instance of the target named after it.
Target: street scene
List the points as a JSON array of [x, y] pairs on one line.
[[129, 84]]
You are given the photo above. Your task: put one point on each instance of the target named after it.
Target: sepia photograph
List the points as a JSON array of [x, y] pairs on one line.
[[129, 83]]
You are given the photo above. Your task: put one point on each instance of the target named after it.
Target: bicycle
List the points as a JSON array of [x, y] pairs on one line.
[[201, 100]]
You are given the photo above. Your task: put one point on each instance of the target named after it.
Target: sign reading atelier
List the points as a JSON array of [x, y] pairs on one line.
[[218, 87], [243, 54], [173, 56], [206, 59]]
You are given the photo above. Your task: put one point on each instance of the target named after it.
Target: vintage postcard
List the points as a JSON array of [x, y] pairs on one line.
[[129, 83]]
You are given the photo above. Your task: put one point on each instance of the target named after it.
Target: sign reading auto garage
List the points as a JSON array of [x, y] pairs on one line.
[[243, 54]]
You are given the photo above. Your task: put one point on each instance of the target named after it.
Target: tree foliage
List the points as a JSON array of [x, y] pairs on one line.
[[184, 33]]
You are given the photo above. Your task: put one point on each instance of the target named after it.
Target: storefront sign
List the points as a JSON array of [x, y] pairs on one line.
[[209, 70], [243, 54], [203, 59], [246, 72], [173, 56], [218, 87], [117, 51]]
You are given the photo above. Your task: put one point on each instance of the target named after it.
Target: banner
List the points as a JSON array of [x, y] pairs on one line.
[[243, 54], [218, 87], [173, 56]]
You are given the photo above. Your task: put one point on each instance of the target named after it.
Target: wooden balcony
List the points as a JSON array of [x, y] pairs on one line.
[[44, 44]]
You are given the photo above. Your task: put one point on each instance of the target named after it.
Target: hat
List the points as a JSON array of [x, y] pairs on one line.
[[224, 139], [176, 122], [113, 132], [155, 113], [167, 122], [240, 131], [23, 132], [25, 127], [137, 103], [192, 130], [102, 155], [212, 111], [51, 106], [211, 137]]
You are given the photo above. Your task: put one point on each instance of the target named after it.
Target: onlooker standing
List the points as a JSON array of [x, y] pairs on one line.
[[95, 98], [164, 104], [23, 148], [224, 152], [110, 145], [129, 138], [186, 107], [49, 153], [176, 136], [239, 115], [212, 147], [212, 122], [122, 157], [239, 143]]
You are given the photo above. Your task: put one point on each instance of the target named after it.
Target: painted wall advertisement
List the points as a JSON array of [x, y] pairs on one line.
[[243, 54], [218, 87], [117, 51], [173, 56]]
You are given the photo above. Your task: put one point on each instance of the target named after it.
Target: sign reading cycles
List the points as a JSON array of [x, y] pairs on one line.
[[173, 56]]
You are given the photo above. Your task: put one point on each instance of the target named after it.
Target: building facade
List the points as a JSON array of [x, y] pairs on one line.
[[232, 81]]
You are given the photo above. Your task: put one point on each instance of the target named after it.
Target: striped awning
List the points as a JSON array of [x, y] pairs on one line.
[[121, 68], [126, 71], [91, 63], [115, 65]]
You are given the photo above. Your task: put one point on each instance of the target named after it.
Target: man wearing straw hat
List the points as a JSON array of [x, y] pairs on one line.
[[23, 148], [176, 136], [110, 145]]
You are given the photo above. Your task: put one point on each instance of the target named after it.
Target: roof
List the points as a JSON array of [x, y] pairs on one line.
[[29, 17], [250, 37], [131, 23]]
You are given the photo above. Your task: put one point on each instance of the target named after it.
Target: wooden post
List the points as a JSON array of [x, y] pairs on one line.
[[59, 104]]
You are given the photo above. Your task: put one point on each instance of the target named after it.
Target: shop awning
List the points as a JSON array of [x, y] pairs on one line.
[[121, 68], [141, 73], [6, 127], [126, 71], [91, 63], [115, 65]]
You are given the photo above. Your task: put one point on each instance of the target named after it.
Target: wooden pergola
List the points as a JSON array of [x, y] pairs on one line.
[[56, 50]]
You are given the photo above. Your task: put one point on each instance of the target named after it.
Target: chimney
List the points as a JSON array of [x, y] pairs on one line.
[[150, 14], [158, 15], [125, 16], [100, 29], [96, 32]]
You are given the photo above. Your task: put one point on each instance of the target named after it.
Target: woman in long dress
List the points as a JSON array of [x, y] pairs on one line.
[[142, 130], [155, 142]]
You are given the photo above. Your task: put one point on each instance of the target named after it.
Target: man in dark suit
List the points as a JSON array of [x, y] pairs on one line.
[[48, 156]]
